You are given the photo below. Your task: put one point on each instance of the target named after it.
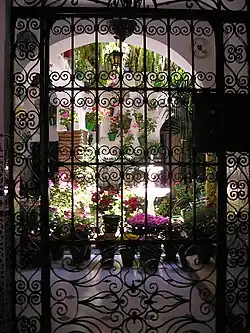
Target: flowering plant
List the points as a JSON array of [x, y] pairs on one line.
[[162, 206], [141, 218], [107, 201], [128, 138], [117, 122], [102, 114], [66, 117], [60, 202], [132, 204], [151, 123]]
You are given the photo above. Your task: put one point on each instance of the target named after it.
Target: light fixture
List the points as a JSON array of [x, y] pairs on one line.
[[122, 28], [116, 58]]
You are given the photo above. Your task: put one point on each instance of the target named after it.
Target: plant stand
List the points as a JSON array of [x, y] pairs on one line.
[[66, 145]]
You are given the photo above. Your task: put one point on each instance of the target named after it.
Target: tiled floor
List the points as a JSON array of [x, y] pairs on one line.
[[93, 300]]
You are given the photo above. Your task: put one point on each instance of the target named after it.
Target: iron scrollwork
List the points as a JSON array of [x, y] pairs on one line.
[[170, 284]]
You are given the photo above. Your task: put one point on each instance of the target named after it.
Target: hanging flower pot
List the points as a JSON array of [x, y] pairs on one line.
[[157, 83], [141, 140], [90, 125], [112, 136], [68, 54]]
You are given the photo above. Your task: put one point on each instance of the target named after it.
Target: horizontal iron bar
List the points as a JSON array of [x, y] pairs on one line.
[[153, 13], [129, 89], [138, 242], [204, 164]]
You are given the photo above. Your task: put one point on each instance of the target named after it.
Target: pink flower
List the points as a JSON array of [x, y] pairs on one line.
[[67, 214], [141, 218], [51, 183], [135, 125], [65, 115]]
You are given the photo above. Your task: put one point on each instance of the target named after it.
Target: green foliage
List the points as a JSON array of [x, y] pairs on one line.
[[66, 117], [203, 213], [151, 123], [133, 58]]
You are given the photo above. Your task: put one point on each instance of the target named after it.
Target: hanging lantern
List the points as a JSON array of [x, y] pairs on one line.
[[116, 58], [68, 54]]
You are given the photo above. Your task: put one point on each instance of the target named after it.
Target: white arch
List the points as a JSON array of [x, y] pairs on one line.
[[151, 44], [63, 45]]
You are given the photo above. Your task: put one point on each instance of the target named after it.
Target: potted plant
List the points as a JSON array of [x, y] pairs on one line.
[[107, 202], [113, 128], [174, 231], [150, 255], [132, 204], [128, 251], [66, 118], [60, 212], [143, 223], [114, 108], [80, 249], [151, 126], [117, 122], [105, 243], [205, 217], [94, 118], [128, 138]]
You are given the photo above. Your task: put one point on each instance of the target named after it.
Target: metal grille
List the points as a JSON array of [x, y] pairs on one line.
[[83, 263]]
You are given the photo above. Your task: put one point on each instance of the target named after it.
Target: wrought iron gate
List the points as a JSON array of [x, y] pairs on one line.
[[124, 220]]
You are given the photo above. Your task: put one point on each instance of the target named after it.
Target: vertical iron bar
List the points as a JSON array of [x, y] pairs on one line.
[[11, 182], [221, 258], [169, 93], [72, 102], [193, 154], [144, 31], [44, 155], [97, 125], [248, 183], [121, 130]]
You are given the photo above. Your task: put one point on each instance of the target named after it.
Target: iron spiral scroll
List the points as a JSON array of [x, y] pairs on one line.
[[170, 285]]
